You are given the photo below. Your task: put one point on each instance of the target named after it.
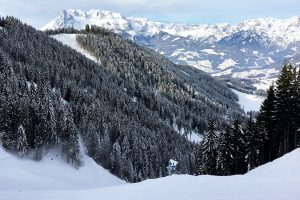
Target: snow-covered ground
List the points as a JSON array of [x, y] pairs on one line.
[[249, 102], [70, 40], [52, 173], [52, 179]]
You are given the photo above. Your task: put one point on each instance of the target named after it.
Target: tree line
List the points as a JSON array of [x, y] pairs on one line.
[[262, 137]]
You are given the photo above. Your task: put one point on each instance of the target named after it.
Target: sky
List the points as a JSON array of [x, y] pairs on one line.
[[40, 12]]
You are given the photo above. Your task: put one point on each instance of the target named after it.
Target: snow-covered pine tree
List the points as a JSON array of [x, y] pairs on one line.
[[21, 142], [8, 104], [208, 151], [284, 107], [254, 144], [74, 150], [70, 140], [104, 150], [225, 151], [238, 146], [116, 158]]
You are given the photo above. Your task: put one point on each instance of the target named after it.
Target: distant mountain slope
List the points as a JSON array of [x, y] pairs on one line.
[[134, 111], [253, 50]]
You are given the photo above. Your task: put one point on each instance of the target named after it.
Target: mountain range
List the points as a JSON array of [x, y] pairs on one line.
[[252, 51]]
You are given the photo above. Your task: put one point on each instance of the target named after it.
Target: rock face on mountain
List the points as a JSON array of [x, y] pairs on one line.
[[252, 51]]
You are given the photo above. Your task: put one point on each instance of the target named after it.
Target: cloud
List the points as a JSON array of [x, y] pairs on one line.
[[39, 12]]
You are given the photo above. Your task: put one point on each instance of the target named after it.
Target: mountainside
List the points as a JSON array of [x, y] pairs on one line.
[[276, 180], [253, 50], [134, 111]]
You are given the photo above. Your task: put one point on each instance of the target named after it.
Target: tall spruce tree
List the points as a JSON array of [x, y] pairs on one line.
[[21, 142], [239, 147], [225, 152], [266, 125], [70, 140], [284, 108], [208, 151], [297, 110], [254, 143]]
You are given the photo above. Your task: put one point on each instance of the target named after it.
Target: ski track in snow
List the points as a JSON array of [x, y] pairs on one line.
[[70, 40], [277, 180]]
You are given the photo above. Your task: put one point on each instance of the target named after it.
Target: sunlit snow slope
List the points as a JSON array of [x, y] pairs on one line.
[[52, 173], [70, 40], [249, 102], [51, 179]]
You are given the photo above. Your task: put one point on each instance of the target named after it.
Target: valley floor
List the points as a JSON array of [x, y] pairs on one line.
[[249, 102], [53, 179]]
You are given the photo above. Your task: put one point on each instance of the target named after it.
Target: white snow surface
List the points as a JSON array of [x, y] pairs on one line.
[[194, 137], [249, 102], [287, 166], [277, 180], [70, 41], [227, 63], [52, 173]]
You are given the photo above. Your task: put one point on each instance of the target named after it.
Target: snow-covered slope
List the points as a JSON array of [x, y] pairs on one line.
[[70, 40], [277, 180], [287, 166], [52, 173], [253, 50], [249, 102]]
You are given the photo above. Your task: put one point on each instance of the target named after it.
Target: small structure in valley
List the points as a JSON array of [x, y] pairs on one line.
[[172, 166]]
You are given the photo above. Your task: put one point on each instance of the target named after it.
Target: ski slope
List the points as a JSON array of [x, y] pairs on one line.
[[55, 180], [249, 102], [70, 41], [52, 173]]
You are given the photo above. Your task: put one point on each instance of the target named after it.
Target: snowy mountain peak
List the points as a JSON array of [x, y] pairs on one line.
[[78, 19], [281, 32], [253, 49]]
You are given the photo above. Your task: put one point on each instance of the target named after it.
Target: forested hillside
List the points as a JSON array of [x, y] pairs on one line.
[[127, 110], [262, 137]]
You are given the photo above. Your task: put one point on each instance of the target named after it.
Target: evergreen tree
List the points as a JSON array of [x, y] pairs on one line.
[[71, 141], [238, 148], [9, 112], [297, 110], [254, 144], [116, 158], [284, 106], [21, 141], [225, 152], [208, 151], [266, 126]]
